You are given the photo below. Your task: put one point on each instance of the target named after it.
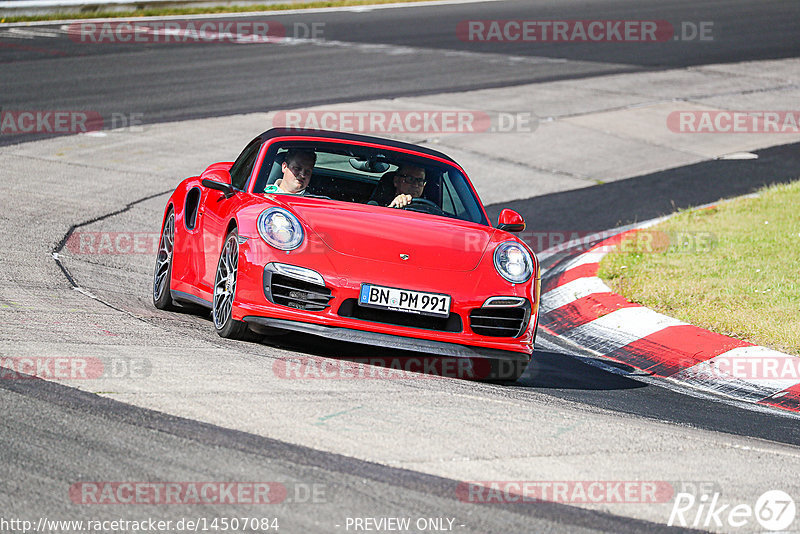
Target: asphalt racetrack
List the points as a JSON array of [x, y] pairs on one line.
[[189, 408], [369, 54]]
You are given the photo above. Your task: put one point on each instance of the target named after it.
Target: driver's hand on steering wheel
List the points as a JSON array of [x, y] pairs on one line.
[[400, 201]]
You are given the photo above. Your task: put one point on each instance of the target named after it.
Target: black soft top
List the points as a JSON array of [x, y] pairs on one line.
[[283, 132]]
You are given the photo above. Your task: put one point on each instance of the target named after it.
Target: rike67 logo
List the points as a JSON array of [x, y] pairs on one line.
[[774, 511]]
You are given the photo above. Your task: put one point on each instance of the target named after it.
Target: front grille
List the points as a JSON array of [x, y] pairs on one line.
[[352, 310], [496, 321], [294, 293]]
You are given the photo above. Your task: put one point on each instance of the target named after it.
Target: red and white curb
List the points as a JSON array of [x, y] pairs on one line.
[[578, 306]]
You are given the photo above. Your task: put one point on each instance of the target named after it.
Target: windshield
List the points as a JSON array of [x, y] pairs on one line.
[[366, 175]]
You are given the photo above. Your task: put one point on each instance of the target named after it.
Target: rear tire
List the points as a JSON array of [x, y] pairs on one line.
[[162, 275]]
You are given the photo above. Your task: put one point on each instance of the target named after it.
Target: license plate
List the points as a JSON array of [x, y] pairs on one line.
[[405, 300]]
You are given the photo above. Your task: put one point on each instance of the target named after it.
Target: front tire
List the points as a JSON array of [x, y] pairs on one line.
[[225, 291]]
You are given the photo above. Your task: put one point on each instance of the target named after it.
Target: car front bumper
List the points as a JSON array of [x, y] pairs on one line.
[[469, 290]]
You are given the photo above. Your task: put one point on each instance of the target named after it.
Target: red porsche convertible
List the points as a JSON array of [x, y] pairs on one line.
[[298, 235]]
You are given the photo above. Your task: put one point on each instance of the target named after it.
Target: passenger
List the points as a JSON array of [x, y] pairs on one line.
[[297, 167], [409, 181]]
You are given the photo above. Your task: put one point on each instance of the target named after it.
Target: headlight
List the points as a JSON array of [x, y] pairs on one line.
[[513, 262], [280, 229]]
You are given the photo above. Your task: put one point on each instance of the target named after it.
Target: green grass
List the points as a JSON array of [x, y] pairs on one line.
[[165, 11], [732, 269]]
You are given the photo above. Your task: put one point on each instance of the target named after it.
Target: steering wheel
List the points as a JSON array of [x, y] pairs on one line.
[[423, 205]]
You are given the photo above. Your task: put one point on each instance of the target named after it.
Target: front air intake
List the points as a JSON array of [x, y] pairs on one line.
[[293, 293], [499, 320]]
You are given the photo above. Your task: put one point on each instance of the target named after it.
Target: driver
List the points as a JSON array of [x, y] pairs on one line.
[[409, 181], [296, 167]]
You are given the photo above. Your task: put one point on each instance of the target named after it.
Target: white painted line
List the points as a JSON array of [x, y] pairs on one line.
[[738, 155], [571, 292], [369, 48], [32, 33], [273, 12], [638, 321], [395, 50]]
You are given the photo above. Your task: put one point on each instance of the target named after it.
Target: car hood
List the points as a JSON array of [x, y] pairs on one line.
[[388, 234]]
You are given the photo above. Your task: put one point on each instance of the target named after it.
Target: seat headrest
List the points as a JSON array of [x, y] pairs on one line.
[[275, 172], [384, 191]]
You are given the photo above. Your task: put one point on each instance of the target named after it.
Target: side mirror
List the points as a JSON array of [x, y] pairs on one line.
[[227, 189], [510, 221], [219, 172]]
